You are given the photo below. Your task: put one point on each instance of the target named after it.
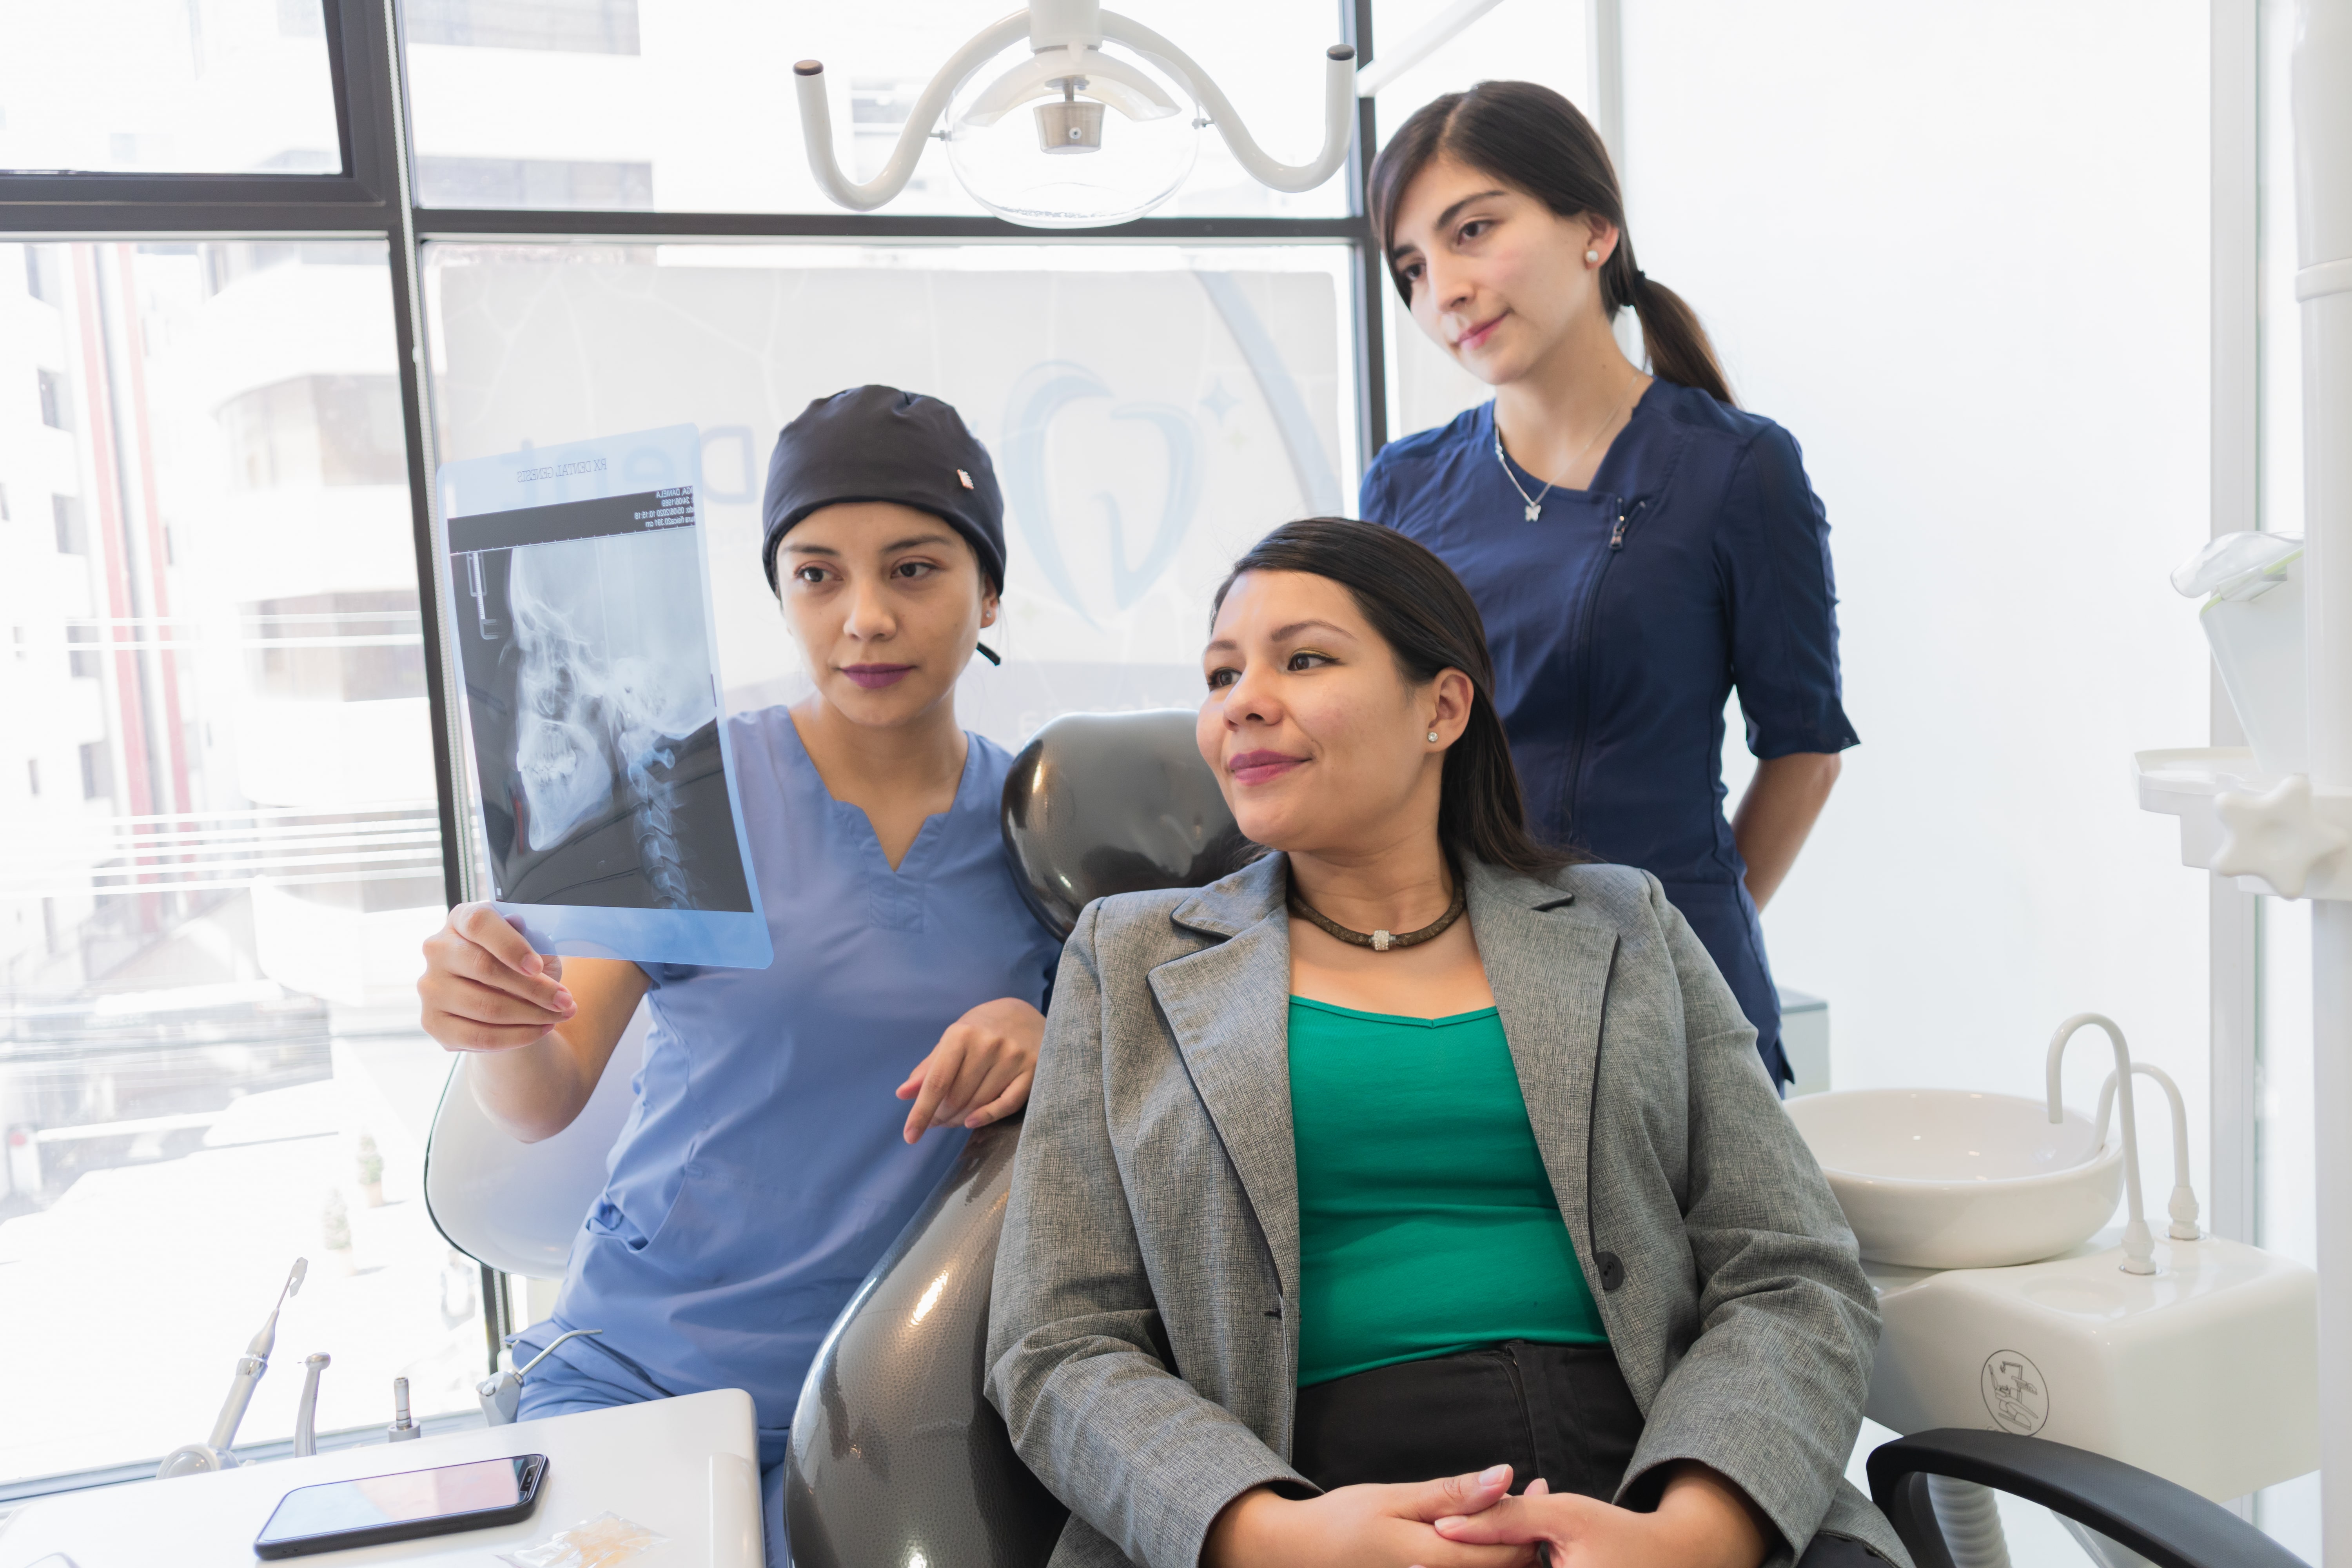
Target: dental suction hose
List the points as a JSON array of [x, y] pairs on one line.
[[2139, 1243]]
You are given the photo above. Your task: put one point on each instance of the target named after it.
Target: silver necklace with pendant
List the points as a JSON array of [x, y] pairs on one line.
[[1535, 502]]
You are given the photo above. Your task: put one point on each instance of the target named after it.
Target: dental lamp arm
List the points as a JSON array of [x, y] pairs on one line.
[[1338, 106], [816, 118], [2140, 1243], [2183, 1207]]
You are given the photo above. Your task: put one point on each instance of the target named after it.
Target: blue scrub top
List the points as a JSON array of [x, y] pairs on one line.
[[762, 1173], [1621, 620]]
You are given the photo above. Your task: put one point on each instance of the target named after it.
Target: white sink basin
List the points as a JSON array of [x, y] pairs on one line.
[[1944, 1178]]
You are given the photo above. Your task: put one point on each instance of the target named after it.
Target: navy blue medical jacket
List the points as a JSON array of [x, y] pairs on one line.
[[1621, 620]]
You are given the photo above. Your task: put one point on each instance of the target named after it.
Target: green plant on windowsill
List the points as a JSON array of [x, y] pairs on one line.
[[335, 1229], [371, 1171]]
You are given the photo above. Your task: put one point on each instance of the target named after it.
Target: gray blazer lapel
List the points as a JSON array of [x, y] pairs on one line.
[[1549, 969], [1230, 1008]]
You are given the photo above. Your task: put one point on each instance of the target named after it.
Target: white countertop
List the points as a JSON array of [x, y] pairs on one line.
[[687, 1468]]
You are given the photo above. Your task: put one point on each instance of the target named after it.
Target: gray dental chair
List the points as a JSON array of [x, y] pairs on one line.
[[896, 1457]]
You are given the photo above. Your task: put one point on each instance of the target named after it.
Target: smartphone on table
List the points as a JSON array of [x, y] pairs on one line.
[[336, 1515]]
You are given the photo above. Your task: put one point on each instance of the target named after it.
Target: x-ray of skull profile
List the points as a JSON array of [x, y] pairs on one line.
[[607, 688], [595, 719], [580, 612]]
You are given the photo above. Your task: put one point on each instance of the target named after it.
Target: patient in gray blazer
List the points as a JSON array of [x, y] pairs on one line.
[[1414, 1196]]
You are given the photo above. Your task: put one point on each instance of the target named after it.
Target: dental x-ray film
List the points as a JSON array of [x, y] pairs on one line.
[[580, 593]]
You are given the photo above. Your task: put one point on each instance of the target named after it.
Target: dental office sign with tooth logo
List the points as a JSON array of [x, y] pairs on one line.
[[1138, 550], [2016, 1394], [579, 606]]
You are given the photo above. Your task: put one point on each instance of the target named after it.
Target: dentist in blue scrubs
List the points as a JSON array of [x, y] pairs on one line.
[[1639, 546], [767, 1166]]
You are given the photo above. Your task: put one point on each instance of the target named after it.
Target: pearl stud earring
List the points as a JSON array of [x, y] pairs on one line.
[[1592, 259], [1433, 737]]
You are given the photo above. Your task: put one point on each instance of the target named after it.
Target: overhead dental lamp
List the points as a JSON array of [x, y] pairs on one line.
[[1115, 113]]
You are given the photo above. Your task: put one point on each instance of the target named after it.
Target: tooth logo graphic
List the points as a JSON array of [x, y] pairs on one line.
[[1040, 394]]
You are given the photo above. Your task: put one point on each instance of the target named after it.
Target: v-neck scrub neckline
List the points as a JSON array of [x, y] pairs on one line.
[[1566, 493], [853, 816]]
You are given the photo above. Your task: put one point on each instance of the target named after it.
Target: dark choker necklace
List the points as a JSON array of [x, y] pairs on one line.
[[1381, 940]]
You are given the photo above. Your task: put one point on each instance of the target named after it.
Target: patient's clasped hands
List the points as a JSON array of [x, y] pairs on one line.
[[1471, 1521]]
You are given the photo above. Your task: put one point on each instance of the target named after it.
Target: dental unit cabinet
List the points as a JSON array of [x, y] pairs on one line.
[[2006, 1304]]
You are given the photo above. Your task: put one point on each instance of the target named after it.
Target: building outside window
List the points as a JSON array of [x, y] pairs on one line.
[[53, 398], [97, 771], [207, 950], [64, 520]]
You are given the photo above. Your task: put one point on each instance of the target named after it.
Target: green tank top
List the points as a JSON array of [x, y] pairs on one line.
[[1426, 1224]]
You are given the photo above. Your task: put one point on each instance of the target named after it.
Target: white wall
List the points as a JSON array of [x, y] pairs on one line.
[[1961, 253]]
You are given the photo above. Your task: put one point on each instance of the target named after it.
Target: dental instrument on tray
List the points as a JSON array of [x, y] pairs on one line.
[[402, 1429], [501, 1394], [306, 1409], [213, 1454]]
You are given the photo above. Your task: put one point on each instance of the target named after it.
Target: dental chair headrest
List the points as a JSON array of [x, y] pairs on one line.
[[1115, 803]]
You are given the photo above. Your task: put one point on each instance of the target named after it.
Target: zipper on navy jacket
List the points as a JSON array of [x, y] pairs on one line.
[[1625, 517]]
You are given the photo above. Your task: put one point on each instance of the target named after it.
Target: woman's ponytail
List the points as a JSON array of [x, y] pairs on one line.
[[1672, 338], [1530, 136]]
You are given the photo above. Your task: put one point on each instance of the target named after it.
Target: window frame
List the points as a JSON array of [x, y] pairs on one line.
[[373, 198]]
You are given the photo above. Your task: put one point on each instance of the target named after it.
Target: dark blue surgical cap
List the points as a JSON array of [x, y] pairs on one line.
[[878, 443]]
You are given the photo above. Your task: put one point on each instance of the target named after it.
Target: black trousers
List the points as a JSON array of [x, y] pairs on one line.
[[1561, 1412]]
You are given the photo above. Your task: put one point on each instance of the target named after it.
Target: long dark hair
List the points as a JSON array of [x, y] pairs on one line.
[[1430, 624], [1531, 137]]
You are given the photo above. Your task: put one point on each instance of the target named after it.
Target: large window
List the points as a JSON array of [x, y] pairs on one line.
[[224, 832], [179, 86], [219, 849]]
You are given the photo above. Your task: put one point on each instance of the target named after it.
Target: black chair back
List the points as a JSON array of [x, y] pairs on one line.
[[1115, 803]]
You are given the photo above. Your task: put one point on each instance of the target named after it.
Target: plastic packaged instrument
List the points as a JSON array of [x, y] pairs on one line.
[[606, 1541]]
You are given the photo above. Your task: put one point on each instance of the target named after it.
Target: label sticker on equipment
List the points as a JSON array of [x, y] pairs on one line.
[[2015, 1394]]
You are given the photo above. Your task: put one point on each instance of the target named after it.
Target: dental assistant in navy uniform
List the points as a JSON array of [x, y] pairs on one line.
[[766, 1165], [1639, 546]]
